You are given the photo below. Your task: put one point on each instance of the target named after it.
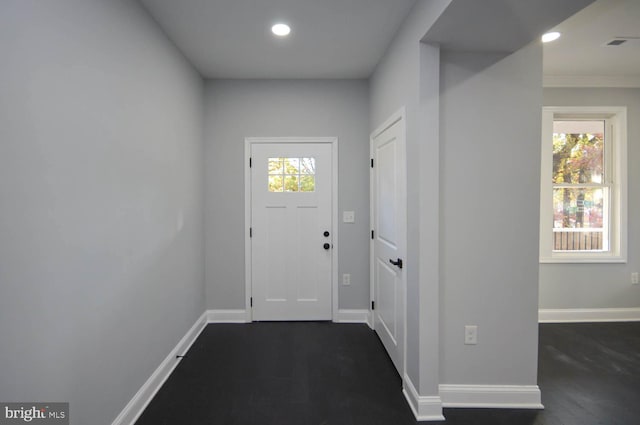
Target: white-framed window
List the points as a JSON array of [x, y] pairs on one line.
[[583, 180]]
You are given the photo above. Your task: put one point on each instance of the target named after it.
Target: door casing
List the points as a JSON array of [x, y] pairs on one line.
[[248, 142]]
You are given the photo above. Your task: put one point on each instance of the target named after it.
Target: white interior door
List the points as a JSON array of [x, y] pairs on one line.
[[388, 181], [291, 231]]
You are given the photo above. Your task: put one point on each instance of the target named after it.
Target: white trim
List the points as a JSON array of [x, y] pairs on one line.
[[335, 226], [621, 81], [574, 315], [372, 217], [586, 258], [424, 408], [228, 316], [247, 226], [353, 316], [145, 394], [491, 396], [248, 141]]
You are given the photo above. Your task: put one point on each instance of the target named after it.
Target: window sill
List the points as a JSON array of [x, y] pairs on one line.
[[583, 259]]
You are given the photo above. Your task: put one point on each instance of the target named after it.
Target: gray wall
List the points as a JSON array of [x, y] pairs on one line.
[[236, 109], [404, 77], [446, 281], [479, 96], [100, 156], [490, 150], [600, 285]]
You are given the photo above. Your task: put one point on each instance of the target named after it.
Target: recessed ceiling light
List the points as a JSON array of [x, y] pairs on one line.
[[550, 36], [281, 30]]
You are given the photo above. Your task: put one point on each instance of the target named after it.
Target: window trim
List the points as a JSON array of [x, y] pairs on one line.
[[616, 116]]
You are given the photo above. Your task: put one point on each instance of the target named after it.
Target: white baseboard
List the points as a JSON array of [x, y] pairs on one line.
[[242, 316], [145, 394], [572, 315], [491, 396], [353, 316], [228, 316], [425, 408]]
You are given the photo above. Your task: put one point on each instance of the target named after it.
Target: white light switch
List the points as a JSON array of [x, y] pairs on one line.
[[349, 216], [471, 335]]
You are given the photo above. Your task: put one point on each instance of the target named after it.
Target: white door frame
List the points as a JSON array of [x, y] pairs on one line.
[[399, 115], [248, 142]]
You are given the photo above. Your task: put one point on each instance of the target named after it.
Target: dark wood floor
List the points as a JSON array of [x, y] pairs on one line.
[[338, 374]]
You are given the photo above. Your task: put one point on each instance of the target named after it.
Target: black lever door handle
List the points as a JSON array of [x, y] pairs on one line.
[[397, 263]]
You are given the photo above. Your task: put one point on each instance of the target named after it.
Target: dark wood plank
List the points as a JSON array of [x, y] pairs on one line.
[[338, 374]]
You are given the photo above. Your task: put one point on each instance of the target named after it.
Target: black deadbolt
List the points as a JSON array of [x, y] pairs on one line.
[[326, 246], [326, 234]]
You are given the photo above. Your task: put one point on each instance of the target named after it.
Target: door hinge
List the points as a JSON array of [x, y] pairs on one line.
[[373, 305], [250, 232], [371, 162], [250, 162], [372, 233], [251, 302]]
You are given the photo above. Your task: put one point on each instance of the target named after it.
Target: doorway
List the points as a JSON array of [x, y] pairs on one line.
[[389, 236], [291, 225]]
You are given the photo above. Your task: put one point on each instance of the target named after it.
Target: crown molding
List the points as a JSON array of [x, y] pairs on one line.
[[615, 81]]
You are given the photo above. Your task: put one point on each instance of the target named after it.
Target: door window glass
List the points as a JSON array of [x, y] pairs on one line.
[[292, 175]]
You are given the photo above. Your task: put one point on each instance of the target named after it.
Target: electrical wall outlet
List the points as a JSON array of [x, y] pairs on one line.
[[471, 335], [634, 278], [346, 279]]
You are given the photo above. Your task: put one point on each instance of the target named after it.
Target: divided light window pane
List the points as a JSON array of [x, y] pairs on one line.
[[291, 174]]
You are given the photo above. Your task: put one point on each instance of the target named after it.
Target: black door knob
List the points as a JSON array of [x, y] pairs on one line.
[[326, 234], [397, 263], [326, 246]]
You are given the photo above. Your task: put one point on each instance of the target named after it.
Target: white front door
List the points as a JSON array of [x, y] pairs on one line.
[[291, 231], [388, 204]]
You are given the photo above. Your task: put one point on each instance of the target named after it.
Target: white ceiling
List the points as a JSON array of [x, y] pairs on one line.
[[346, 38], [329, 38], [582, 50], [501, 26]]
